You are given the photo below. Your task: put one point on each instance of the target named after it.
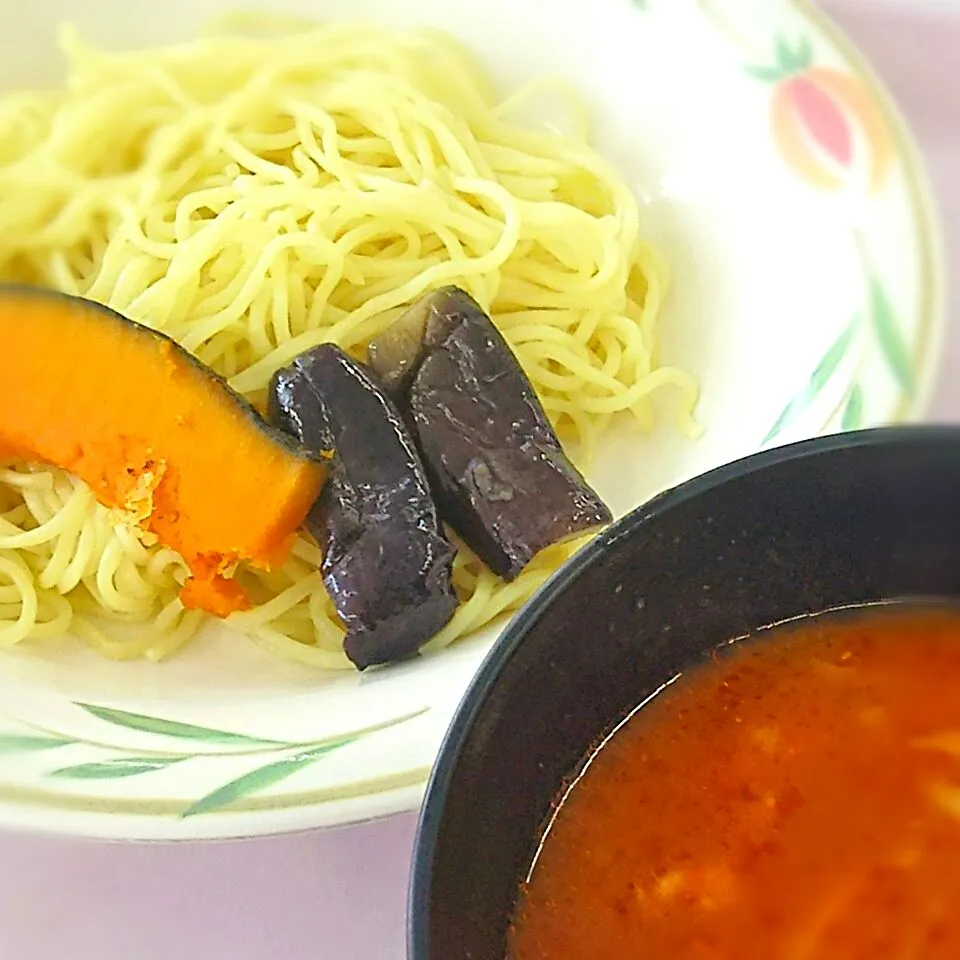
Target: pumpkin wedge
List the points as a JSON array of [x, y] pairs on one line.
[[153, 432]]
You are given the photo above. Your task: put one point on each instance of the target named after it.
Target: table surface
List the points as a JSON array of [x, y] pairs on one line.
[[339, 895]]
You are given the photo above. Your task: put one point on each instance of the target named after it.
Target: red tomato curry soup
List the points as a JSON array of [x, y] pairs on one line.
[[792, 799]]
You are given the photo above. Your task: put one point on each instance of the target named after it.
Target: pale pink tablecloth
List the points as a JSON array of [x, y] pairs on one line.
[[340, 895]]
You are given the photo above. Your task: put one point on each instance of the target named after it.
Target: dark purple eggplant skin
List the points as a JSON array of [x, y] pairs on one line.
[[386, 562], [500, 475]]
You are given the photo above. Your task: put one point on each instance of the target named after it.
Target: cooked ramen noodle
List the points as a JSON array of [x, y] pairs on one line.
[[260, 191]]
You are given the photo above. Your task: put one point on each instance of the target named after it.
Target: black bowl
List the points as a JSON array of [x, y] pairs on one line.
[[840, 520]]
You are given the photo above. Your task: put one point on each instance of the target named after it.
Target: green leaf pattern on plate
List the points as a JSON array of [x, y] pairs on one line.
[[883, 331], [890, 339], [258, 779], [793, 60], [820, 377], [122, 762], [113, 769], [765, 73], [15, 743], [173, 728], [853, 409]]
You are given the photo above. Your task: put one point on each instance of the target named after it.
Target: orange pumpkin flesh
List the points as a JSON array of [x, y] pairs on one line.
[[153, 432]]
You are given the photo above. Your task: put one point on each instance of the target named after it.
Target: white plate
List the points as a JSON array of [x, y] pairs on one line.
[[789, 199]]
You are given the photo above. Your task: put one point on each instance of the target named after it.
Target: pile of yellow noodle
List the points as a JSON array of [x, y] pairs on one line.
[[254, 195]]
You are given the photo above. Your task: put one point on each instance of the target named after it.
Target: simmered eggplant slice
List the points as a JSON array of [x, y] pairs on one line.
[[386, 563], [500, 474]]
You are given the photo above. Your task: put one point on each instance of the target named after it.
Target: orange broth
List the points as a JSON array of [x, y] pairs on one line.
[[794, 799]]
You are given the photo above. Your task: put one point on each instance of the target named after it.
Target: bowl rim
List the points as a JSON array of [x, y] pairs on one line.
[[471, 705]]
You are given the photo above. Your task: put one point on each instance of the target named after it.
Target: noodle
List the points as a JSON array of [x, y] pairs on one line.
[[253, 196]]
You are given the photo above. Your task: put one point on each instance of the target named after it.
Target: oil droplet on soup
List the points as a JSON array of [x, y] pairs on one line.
[[793, 799]]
